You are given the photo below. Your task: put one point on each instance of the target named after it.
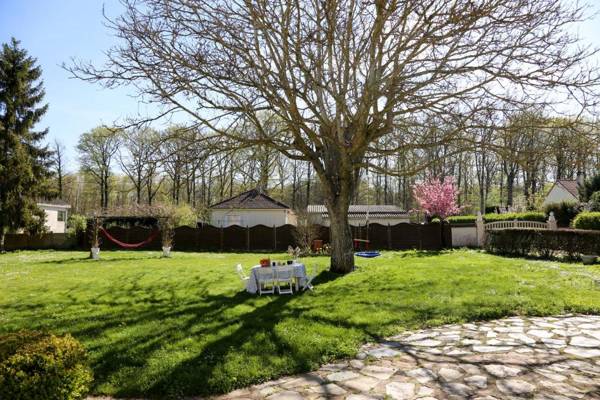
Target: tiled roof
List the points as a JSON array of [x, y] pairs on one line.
[[570, 186], [355, 210], [252, 199]]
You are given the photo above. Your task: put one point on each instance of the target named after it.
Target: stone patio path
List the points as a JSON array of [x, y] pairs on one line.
[[540, 358]]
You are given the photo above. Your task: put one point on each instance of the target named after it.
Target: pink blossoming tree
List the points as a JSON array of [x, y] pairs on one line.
[[437, 198]]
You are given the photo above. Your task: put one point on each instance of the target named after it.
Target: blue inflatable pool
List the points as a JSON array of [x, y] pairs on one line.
[[367, 254]]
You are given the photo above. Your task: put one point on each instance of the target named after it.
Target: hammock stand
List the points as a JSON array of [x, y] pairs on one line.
[[149, 239]]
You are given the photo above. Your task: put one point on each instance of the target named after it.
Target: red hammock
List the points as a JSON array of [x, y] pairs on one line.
[[130, 245]]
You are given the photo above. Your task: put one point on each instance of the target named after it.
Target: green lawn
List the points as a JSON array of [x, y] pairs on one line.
[[184, 326]]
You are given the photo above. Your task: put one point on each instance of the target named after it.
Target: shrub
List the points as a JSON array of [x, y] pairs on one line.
[[564, 212], [543, 242], [524, 216], [587, 220], [594, 203], [36, 365], [76, 224], [462, 219]]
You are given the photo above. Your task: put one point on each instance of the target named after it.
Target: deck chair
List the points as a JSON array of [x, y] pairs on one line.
[[308, 285], [241, 274], [266, 280], [285, 278]]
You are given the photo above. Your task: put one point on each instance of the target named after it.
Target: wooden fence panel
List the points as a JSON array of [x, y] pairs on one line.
[[185, 239], [209, 238], [286, 236], [234, 238], [261, 238], [378, 237]]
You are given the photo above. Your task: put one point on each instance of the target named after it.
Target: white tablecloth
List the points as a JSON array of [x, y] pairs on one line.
[[299, 274]]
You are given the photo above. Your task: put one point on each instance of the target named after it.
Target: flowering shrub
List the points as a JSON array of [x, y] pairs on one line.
[[41, 366], [437, 198]]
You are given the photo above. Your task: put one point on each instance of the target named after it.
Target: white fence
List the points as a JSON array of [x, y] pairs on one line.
[[498, 225]]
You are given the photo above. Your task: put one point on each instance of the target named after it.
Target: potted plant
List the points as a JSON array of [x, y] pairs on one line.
[[95, 239], [167, 235]]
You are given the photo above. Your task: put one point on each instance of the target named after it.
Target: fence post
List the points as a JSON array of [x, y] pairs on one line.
[[480, 229], [247, 238], [389, 236], [274, 238], [221, 237], [552, 225]]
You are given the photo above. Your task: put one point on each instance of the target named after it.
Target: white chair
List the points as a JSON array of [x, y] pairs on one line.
[[241, 274], [308, 285], [266, 278], [284, 275]]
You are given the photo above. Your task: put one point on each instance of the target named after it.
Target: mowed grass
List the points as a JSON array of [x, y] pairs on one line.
[[184, 326]]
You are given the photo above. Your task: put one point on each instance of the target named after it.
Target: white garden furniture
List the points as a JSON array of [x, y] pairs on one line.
[[241, 273], [266, 280], [308, 285], [299, 276], [284, 276]]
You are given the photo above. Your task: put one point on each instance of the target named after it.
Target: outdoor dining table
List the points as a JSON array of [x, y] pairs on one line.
[[299, 274]]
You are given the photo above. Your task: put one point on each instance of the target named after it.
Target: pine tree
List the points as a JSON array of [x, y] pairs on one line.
[[24, 160]]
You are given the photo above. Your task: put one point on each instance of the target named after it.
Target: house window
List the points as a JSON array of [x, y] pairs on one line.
[[62, 215]]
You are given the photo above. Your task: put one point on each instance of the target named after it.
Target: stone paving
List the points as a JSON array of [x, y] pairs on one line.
[[552, 358]]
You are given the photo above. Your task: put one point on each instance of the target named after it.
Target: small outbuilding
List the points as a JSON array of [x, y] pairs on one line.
[[57, 214], [249, 209], [359, 214], [563, 190]]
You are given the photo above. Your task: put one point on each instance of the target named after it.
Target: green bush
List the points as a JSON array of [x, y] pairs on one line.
[[76, 224], [41, 366], [587, 220], [493, 217], [462, 219], [543, 242], [564, 212], [595, 201], [524, 216]]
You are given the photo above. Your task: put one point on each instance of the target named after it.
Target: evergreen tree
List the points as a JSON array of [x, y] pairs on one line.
[[24, 161]]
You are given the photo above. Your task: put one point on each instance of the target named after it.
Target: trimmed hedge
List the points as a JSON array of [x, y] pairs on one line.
[[564, 212], [41, 366], [526, 216], [587, 220], [543, 242], [462, 219]]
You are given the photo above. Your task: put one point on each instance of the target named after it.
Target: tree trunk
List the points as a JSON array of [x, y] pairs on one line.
[[510, 184], [342, 254], [2, 237]]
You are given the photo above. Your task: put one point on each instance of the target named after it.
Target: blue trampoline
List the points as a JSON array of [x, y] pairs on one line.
[[367, 254]]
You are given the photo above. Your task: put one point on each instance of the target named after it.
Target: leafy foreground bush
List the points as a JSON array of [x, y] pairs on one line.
[[564, 212], [41, 366], [587, 220], [542, 242]]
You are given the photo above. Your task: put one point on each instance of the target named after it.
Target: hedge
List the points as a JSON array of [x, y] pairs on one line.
[[543, 242], [526, 216], [41, 366], [587, 220]]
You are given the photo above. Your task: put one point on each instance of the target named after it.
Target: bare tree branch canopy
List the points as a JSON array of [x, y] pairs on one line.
[[344, 75]]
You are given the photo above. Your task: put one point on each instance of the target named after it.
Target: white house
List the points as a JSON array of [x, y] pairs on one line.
[[359, 213], [563, 191], [251, 208], [57, 214]]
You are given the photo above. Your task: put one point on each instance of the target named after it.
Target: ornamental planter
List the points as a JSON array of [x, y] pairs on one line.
[[166, 251], [95, 253], [588, 258]]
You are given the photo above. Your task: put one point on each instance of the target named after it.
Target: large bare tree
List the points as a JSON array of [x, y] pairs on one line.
[[341, 75]]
